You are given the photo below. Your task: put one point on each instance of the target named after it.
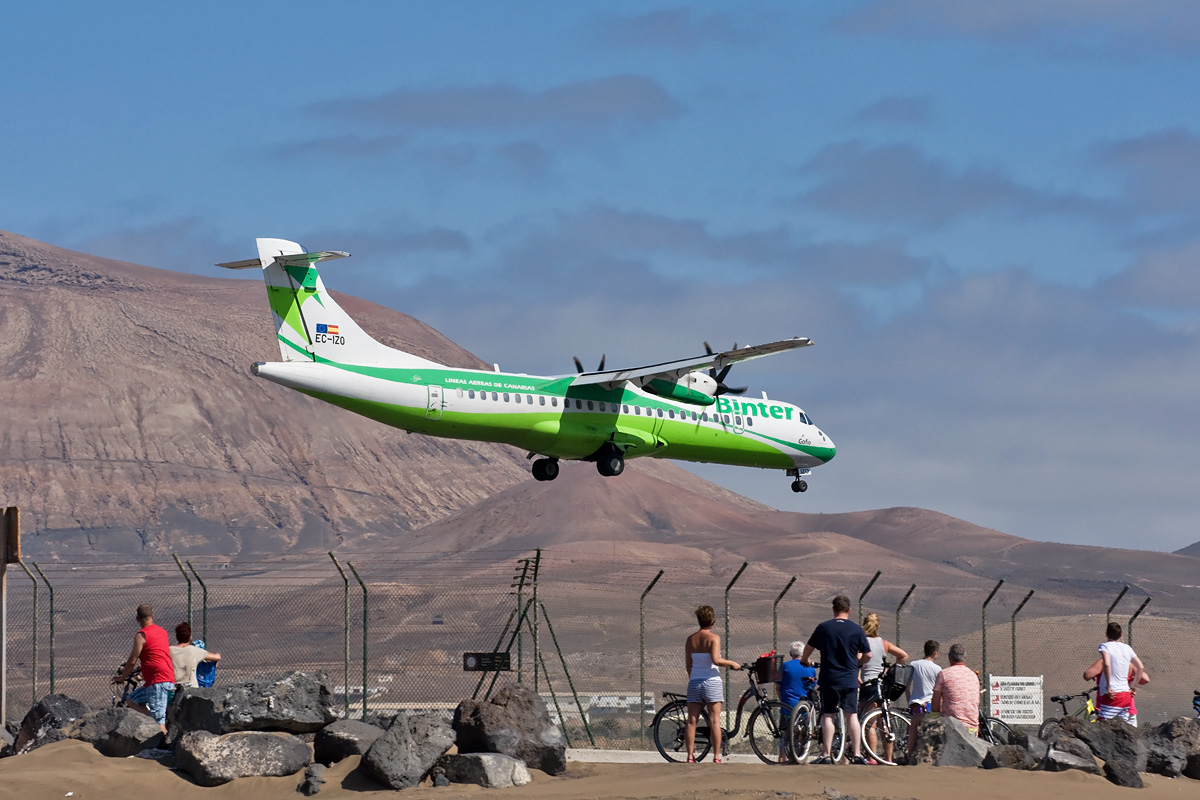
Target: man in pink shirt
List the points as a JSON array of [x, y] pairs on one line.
[[956, 690]]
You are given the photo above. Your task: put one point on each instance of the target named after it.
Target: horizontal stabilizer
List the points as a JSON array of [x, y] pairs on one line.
[[297, 260]]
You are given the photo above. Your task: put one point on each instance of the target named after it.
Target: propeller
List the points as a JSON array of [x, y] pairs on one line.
[[719, 377], [579, 365]]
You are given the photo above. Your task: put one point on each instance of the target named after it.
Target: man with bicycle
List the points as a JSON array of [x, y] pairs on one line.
[[1119, 672], [844, 649], [151, 647]]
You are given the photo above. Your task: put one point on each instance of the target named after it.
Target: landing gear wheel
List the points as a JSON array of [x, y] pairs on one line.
[[610, 465], [799, 485], [545, 469]]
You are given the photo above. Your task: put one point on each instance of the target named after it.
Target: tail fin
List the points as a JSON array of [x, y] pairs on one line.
[[309, 324]]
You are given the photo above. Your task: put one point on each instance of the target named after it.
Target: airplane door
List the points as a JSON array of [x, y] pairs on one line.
[[434, 409], [738, 424]]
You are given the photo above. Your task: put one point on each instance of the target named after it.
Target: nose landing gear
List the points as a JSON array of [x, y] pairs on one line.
[[799, 485], [545, 469]]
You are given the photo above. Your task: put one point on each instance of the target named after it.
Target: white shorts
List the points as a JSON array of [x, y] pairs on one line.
[[705, 690]]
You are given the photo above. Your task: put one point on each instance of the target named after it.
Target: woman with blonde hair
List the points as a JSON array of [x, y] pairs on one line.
[[873, 671], [703, 657]]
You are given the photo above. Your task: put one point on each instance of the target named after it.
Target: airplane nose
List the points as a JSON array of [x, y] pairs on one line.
[[832, 449]]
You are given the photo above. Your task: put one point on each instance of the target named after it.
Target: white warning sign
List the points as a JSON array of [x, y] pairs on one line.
[[1016, 700]]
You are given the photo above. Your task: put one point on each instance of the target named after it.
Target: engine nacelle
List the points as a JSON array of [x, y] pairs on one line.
[[698, 388]]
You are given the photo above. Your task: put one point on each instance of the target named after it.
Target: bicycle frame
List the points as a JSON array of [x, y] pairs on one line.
[[729, 736]]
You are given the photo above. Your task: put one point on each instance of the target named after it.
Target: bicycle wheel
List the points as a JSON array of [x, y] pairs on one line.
[[995, 731], [802, 727], [766, 732], [838, 750], [891, 733], [670, 729], [1046, 727]]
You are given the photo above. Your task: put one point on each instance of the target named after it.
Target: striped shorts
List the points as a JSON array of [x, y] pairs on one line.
[[705, 690]]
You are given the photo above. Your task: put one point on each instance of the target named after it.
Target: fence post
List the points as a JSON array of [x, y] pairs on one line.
[[570, 681], [35, 629], [864, 593], [741, 569], [537, 653], [49, 586], [642, 659], [204, 604], [365, 639], [987, 696], [345, 632], [1014, 631], [1129, 628], [519, 585], [903, 600], [1108, 614], [187, 578], [775, 616]]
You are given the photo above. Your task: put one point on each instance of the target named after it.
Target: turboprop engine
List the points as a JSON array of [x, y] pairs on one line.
[[694, 387]]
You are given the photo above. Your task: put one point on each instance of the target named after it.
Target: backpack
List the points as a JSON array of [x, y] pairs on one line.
[[206, 671]]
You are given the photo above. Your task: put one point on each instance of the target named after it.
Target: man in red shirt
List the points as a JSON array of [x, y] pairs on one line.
[[151, 646]]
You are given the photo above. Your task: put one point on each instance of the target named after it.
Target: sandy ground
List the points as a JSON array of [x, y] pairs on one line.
[[76, 768]]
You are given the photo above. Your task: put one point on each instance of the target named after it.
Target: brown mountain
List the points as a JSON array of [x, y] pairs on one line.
[[1192, 549]]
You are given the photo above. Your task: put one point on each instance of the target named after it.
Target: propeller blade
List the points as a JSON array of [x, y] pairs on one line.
[[601, 367], [734, 389], [720, 376], [578, 364]]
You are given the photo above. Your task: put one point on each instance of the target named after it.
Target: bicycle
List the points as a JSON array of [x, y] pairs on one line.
[[129, 687], [764, 728], [1196, 702], [890, 724], [991, 729], [1086, 710], [804, 729]]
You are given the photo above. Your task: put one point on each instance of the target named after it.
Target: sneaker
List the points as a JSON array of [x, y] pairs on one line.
[[863, 760], [823, 760]]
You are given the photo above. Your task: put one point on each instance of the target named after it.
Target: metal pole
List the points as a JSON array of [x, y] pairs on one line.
[[864, 593], [741, 569], [187, 578], [49, 586], [520, 586], [1129, 629], [907, 595], [204, 604], [537, 653], [1108, 615], [365, 639], [642, 659], [987, 696], [496, 649], [35, 630], [508, 649], [345, 632], [570, 682], [1014, 630], [775, 616]]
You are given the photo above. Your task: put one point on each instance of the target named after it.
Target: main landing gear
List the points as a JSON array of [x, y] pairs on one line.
[[545, 469], [610, 461]]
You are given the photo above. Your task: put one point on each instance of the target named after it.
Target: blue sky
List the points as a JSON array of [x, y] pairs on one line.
[[984, 214]]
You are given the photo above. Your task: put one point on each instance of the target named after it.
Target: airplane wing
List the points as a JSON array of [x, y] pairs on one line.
[[673, 370]]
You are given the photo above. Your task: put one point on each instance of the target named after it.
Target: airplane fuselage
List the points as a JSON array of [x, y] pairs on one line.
[[551, 417]]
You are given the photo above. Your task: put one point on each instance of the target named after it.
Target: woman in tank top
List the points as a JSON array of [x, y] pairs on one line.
[[873, 671], [705, 690]]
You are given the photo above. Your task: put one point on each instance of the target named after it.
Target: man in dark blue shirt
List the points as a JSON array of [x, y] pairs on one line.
[[844, 648]]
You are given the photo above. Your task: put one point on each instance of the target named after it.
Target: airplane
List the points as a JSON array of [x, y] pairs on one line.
[[679, 410]]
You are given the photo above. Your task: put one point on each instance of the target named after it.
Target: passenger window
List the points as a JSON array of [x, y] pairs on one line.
[[625, 409], [471, 394], [660, 412], [749, 422], [541, 399], [737, 420], [554, 402], [693, 415], [529, 399], [671, 413], [704, 416], [506, 397], [495, 396], [726, 419], [637, 410], [460, 392], [603, 407], [590, 406], [579, 404]]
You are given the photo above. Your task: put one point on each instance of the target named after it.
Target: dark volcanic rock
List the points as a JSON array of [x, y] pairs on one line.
[[516, 723], [1009, 756], [314, 779], [490, 770], [1066, 753], [213, 760], [44, 723], [1165, 756], [117, 732], [1186, 733], [346, 737], [297, 703], [407, 751], [946, 742], [1120, 746]]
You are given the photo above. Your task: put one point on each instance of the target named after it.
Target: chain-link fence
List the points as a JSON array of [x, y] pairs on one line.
[[599, 636]]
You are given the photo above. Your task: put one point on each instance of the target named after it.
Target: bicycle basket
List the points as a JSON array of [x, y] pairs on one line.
[[896, 681], [768, 669]]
